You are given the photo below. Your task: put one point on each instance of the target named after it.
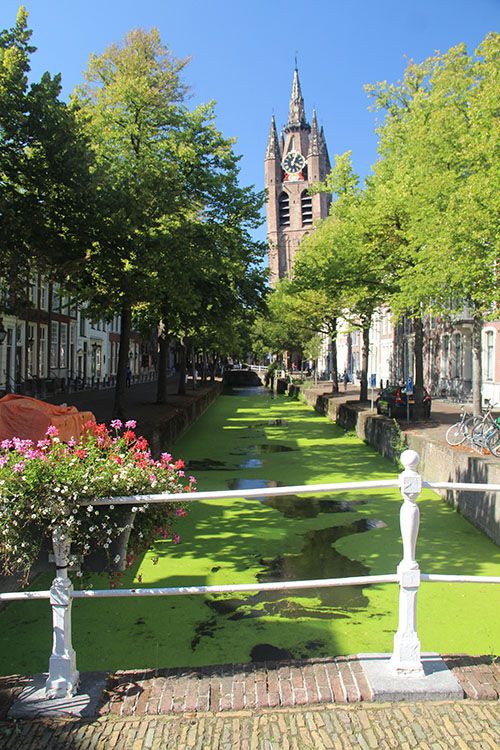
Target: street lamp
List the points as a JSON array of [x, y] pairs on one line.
[[3, 331]]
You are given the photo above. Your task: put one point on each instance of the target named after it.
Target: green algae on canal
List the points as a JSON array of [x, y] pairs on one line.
[[246, 540]]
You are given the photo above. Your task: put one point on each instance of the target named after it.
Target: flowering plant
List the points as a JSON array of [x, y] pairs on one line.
[[51, 484]]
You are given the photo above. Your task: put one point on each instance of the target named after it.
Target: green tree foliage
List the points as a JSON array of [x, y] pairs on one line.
[[176, 245], [439, 169], [46, 190]]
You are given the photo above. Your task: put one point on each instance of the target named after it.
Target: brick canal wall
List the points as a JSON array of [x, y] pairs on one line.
[[439, 462]]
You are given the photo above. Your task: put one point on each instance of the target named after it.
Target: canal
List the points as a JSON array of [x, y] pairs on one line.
[[249, 439]]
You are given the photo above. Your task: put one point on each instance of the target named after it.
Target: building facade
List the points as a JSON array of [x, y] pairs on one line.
[[293, 161], [54, 345]]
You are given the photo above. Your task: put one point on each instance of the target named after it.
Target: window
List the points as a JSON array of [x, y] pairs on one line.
[[32, 289], [489, 352], [446, 356], [284, 210], [63, 345], [31, 352], [457, 356], [82, 324], [42, 351], [44, 296], [56, 298], [54, 344], [307, 211]]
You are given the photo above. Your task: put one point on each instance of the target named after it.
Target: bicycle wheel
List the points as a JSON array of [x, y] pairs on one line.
[[494, 443], [455, 434]]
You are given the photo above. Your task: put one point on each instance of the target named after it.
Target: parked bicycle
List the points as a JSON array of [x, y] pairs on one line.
[[461, 430], [480, 432], [486, 431]]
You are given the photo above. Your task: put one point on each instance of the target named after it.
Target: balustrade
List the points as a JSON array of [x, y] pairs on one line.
[[405, 661]]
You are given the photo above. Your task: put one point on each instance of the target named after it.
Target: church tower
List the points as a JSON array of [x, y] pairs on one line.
[[293, 162]]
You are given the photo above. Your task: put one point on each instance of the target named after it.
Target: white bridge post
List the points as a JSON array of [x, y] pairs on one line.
[[63, 675], [406, 654]]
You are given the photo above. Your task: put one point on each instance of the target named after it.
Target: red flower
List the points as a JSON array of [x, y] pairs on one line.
[[179, 464], [128, 436], [141, 444]]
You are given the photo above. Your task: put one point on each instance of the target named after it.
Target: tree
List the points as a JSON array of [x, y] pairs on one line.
[[438, 166], [46, 191], [344, 259], [168, 186]]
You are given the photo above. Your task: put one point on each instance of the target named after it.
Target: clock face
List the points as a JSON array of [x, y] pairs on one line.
[[293, 162]]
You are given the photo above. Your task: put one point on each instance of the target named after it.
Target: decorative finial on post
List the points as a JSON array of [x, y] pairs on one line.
[[406, 654]]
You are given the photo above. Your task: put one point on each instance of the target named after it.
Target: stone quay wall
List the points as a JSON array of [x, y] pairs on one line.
[[439, 462], [162, 435]]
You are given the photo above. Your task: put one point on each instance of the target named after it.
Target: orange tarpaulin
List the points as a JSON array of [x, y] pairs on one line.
[[29, 418]]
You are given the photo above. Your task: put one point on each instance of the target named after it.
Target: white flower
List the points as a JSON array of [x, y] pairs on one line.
[[117, 559], [89, 508]]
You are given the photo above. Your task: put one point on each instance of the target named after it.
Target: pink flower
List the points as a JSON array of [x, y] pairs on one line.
[[52, 430], [32, 454], [131, 424], [117, 424], [3, 460], [192, 480], [180, 512], [180, 473], [176, 539], [166, 457], [19, 467]]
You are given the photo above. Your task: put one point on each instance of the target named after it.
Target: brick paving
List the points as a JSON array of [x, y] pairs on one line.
[[274, 684], [426, 726]]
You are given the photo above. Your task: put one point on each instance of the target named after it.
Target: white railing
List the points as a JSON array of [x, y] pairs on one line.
[[63, 676]]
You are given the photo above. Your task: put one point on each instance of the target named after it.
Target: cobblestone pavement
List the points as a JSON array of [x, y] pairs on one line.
[[426, 726]]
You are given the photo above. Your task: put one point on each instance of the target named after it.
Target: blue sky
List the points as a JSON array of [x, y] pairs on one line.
[[243, 55]]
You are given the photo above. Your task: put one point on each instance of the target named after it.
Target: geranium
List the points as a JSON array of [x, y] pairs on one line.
[[54, 484]]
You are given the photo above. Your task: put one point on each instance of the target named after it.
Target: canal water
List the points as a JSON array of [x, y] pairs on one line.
[[249, 439], [253, 441]]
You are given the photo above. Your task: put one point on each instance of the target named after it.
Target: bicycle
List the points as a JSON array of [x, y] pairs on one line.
[[462, 430], [486, 432]]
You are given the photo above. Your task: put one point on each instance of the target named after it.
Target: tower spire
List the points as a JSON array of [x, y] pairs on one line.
[[273, 146], [314, 142], [323, 149], [296, 112]]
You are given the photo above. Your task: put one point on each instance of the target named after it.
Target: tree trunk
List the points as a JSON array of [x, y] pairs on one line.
[[363, 390], [182, 369], [335, 364], [418, 389], [193, 368], [123, 363], [161, 390], [477, 326]]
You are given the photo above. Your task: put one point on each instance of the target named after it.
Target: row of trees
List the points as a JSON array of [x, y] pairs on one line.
[[127, 197], [421, 236]]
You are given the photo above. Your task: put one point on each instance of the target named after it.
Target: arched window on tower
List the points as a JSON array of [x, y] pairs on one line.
[[307, 211], [284, 210]]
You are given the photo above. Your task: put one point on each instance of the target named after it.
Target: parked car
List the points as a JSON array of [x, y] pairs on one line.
[[392, 401]]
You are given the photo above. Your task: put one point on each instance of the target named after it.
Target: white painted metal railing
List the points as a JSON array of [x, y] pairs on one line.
[[63, 676]]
